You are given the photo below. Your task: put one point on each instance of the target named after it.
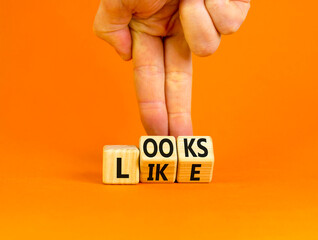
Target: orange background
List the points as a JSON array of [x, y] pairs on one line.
[[64, 94]]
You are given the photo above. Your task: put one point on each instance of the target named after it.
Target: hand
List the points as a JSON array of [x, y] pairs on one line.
[[159, 36]]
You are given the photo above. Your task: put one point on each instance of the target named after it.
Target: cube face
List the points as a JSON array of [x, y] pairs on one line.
[[120, 164], [158, 159], [195, 159]]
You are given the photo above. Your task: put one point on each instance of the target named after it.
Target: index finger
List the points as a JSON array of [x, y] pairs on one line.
[[178, 69]]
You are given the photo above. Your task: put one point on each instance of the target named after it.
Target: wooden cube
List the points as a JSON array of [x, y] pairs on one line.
[[120, 164], [158, 159], [195, 159]]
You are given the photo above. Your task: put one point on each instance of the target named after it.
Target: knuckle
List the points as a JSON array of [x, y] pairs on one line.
[[213, 5], [149, 70], [152, 104], [99, 30], [178, 76], [231, 25], [226, 17], [206, 49]]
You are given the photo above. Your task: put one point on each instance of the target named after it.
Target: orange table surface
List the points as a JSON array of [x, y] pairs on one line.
[[64, 94]]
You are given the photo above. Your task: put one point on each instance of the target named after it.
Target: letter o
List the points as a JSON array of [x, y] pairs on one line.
[[155, 147], [166, 140]]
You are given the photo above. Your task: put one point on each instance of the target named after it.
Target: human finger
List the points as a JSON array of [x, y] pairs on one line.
[[227, 15], [150, 82], [198, 27], [111, 24], [178, 71]]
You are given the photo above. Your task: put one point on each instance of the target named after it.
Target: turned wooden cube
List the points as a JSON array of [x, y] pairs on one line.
[[120, 164], [158, 159], [195, 159]]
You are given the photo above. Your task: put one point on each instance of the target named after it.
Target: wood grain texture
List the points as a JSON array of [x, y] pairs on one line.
[[129, 169], [195, 159], [168, 164]]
